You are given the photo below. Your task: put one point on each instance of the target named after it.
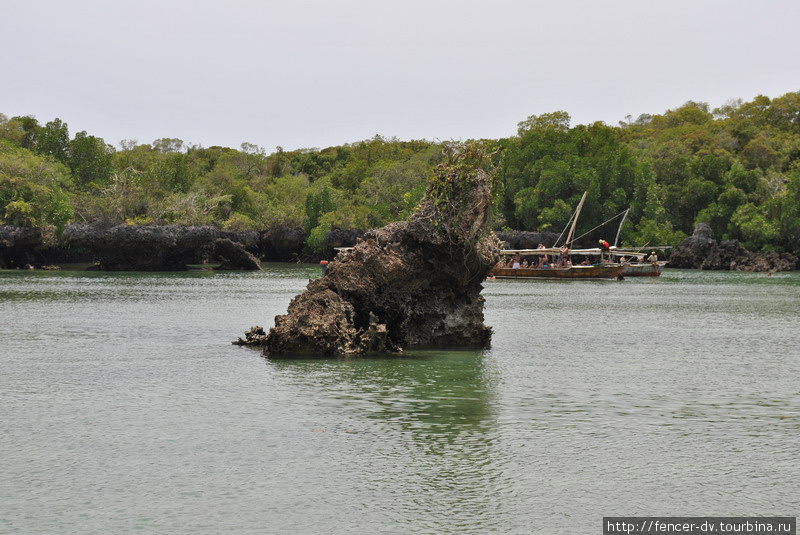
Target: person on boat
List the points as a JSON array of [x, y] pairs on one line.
[[563, 261], [515, 263], [525, 263], [604, 248], [539, 260], [586, 261], [544, 261], [653, 257], [501, 263]]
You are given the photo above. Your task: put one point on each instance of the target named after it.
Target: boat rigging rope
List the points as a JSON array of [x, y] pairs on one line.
[[566, 227], [598, 226]]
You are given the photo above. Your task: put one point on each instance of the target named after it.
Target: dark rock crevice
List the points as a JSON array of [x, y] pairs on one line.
[[18, 246]]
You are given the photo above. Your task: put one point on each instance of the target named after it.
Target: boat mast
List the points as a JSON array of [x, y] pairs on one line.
[[571, 234], [620, 227]]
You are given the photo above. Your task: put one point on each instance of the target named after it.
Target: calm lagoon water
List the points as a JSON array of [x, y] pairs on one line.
[[126, 410]]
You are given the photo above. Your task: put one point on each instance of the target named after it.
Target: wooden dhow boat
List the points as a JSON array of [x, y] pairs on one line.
[[569, 272], [561, 268]]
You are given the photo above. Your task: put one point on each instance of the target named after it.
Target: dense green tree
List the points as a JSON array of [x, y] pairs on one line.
[[90, 158], [166, 145], [790, 215], [30, 128], [33, 189], [548, 167], [12, 131], [52, 139], [317, 204]]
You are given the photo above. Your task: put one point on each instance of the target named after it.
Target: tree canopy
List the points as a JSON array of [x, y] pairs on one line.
[[736, 167]]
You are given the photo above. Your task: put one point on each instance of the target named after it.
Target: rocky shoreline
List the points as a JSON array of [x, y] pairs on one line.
[[174, 248], [152, 247], [702, 251]]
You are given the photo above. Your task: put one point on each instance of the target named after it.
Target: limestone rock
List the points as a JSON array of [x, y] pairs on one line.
[[700, 250], [254, 336], [283, 244], [692, 251], [233, 256], [150, 247], [17, 245], [520, 239], [411, 283]]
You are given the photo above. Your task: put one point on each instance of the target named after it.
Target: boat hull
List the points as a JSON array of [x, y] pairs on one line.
[[643, 270], [610, 271]]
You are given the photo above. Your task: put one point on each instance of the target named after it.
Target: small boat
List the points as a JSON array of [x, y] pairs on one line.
[[643, 269], [637, 268]]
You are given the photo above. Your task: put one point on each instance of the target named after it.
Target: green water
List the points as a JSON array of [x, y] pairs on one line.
[[126, 410]]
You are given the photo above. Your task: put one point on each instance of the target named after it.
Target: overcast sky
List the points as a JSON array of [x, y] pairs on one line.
[[317, 73]]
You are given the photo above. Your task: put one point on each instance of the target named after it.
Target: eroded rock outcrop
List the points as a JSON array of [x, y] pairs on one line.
[[141, 248], [701, 251], [521, 239], [233, 256], [411, 283], [17, 246], [155, 247], [283, 244], [730, 255], [692, 251]]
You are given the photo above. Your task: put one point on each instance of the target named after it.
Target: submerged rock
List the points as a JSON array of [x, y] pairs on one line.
[[411, 283], [254, 336]]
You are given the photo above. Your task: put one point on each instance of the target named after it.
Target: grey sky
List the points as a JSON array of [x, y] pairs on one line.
[[319, 73]]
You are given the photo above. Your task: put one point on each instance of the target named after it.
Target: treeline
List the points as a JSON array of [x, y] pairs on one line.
[[736, 167]]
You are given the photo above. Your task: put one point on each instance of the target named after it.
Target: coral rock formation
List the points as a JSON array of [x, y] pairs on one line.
[[151, 247], [411, 283], [691, 252], [520, 239], [701, 251]]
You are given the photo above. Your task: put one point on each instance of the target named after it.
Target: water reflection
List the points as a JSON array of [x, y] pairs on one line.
[[438, 394], [428, 419]]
